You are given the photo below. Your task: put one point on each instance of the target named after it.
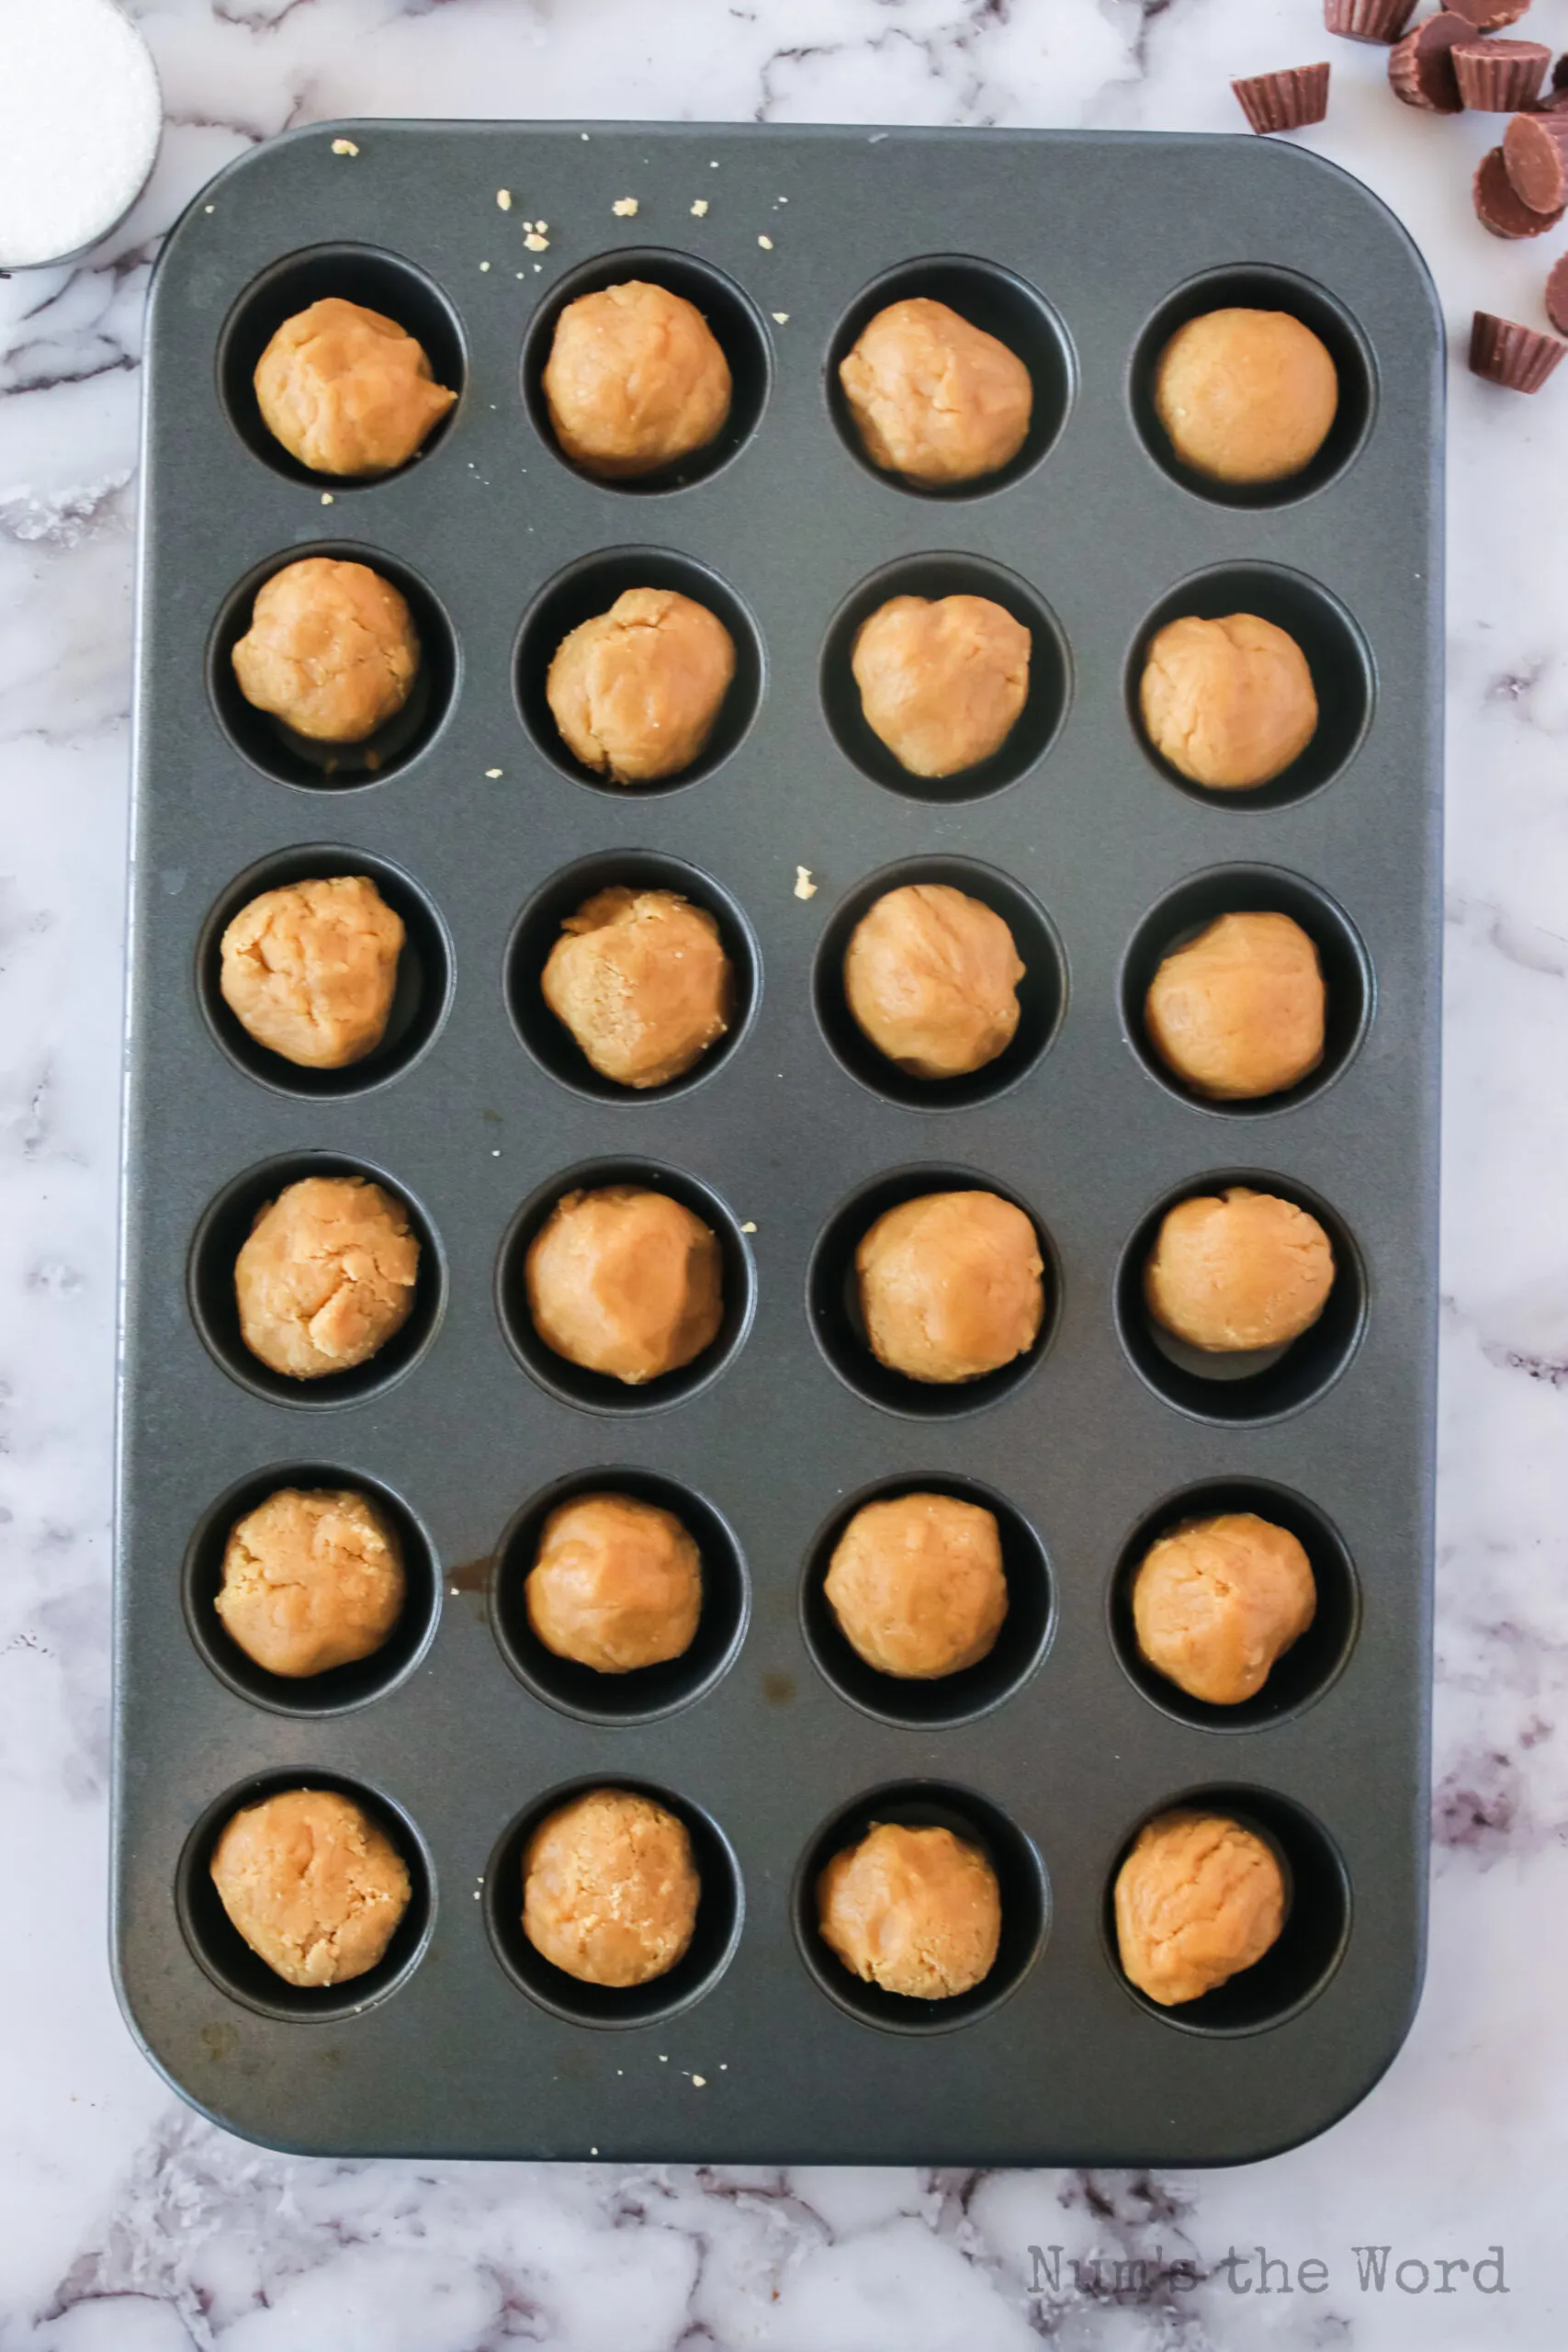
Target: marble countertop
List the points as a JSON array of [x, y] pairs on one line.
[[133, 2226]]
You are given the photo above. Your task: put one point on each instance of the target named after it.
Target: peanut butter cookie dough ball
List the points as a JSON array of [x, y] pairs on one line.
[[935, 399], [1218, 1603], [942, 682], [347, 391], [1229, 703], [330, 650], [617, 1584], [635, 381], [610, 1890], [916, 1911], [951, 1285], [1238, 1271], [1247, 396], [916, 1584], [310, 970], [314, 1887], [641, 979], [1198, 1899], [326, 1276], [312, 1579], [1238, 1013], [635, 691], [931, 977], [625, 1282]]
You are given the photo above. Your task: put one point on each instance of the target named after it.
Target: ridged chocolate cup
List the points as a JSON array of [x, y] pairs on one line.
[[1286, 101], [1499, 76], [1557, 295], [1520, 359], [1499, 208], [1535, 153], [1421, 67], [1374, 20], [1489, 16]]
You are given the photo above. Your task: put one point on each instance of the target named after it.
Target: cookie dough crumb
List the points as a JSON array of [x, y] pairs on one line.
[[748, 1227], [535, 243], [345, 147], [699, 2082], [805, 887], [503, 198], [326, 498], [624, 208], [493, 772], [782, 317], [766, 243], [700, 208]]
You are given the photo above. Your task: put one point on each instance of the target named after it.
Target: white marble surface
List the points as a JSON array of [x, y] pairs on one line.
[[128, 2226]]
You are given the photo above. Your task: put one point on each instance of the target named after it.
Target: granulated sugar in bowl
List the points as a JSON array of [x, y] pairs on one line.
[[80, 118]]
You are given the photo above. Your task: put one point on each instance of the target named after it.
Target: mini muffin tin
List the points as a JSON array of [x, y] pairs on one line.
[[771, 1738]]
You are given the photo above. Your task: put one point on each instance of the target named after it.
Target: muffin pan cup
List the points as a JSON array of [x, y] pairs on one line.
[[754, 2056]]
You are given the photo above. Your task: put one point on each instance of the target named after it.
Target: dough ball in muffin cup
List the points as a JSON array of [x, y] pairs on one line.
[[310, 969], [635, 381], [347, 391], [933, 398], [330, 650], [636, 690]]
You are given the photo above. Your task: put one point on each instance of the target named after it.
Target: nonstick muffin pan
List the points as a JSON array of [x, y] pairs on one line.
[[1084, 251]]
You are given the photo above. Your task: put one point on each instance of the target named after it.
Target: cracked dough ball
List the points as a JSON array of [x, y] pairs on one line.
[[1247, 396], [1198, 1899], [1218, 1603], [942, 682], [311, 1580], [635, 381], [347, 391], [637, 690], [610, 1890], [916, 1911], [1229, 703], [641, 979], [935, 399], [617, 1584], [625, 1282], [931, 977], [915, 1583], [314, 1887], [1238, 1271], [310, 970], [326, 1277], [950, 1286], [1239, 1010], [330, 650]]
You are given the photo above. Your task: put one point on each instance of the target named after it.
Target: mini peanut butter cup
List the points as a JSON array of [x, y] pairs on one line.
[[1500, 208], [1489, 16], [1496, 76], [1379, 20], [1557, 295], [1285, 100], [1520, 358], [1534, 152], [1421, 66]]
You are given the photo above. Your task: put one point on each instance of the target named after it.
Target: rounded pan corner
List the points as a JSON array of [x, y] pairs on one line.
[[1286, 157]]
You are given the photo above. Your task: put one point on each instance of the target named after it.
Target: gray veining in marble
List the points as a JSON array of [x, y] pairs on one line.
[[128, 2226]]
